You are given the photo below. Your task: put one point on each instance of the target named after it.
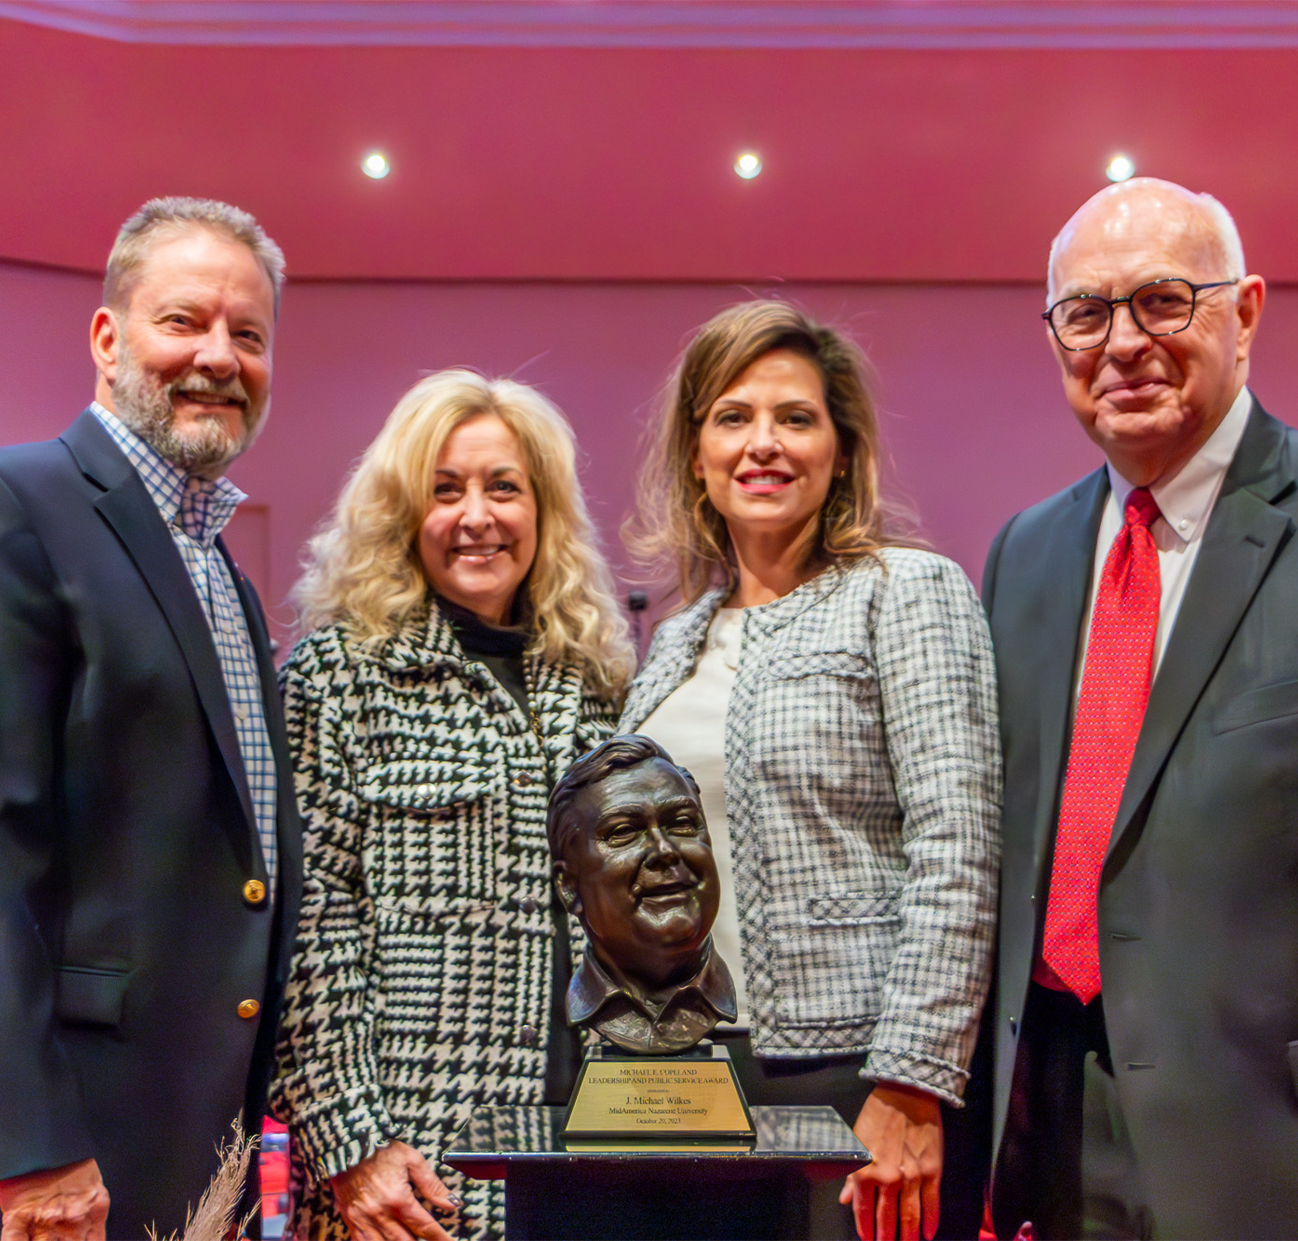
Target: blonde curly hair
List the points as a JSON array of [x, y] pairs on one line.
[[362, 569], [675, 523]]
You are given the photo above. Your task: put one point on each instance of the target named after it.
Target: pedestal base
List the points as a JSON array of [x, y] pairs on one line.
[[557, 1190]]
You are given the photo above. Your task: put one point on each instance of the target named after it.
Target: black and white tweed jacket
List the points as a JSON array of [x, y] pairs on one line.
[[422, 974], [863, 792]]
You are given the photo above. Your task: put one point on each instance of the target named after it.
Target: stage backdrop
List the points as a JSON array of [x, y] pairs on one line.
[[973, 421]]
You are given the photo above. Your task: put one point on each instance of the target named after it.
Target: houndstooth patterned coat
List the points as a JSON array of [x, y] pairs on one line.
[[422, 974], [863, 792]]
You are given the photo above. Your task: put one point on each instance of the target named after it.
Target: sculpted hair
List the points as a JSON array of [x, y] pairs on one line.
[[363, 570], [609, 756], [675, 524], [164, 219]]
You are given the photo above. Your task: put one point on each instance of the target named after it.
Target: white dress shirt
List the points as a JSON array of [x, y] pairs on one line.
[[1185, 502]]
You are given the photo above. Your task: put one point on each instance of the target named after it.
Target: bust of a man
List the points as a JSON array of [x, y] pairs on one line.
[[633, 862]]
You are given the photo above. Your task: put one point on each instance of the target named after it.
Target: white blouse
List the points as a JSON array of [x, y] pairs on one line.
[[690, 725]]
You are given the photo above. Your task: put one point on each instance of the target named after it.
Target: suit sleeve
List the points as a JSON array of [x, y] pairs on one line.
[[327, 1086], [41, 1125], [938, 695]]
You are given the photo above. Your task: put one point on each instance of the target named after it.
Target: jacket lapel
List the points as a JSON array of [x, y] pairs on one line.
[[128, 508], [555, 696], [672, 657], [1070, 544], [1244, 534], [554, 693]]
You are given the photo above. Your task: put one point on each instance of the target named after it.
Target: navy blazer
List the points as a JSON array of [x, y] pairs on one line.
[[127, 943], [1198, 900]]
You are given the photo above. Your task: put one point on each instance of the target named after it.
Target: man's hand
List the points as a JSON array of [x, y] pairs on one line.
[[892, 1197], [377, 1196], [56, 1204]]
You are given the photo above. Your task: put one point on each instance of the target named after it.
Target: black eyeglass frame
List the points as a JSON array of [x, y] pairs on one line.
[[1111, 302]]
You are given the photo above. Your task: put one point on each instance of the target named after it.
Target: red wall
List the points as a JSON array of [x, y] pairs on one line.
[[972, 414]]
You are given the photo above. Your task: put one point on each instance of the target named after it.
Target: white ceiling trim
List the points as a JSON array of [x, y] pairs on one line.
[[901, 24]]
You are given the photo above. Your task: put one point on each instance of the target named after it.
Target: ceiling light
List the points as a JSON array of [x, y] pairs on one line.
[[1120, 168], [748, 165], [376, 165]]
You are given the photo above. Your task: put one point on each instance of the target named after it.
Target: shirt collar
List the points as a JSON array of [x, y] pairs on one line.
[[202, 507], [592, 988], [1186, 499]]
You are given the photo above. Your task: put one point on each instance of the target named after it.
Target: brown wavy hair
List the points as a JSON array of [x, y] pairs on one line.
[[675, 523]]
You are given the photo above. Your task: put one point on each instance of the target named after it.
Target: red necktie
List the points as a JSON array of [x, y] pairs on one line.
[[1110, 707]]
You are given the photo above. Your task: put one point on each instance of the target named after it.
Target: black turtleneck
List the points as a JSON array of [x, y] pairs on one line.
[[500, 647]]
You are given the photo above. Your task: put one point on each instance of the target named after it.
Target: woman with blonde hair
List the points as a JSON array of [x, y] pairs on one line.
[[833, 693], [463, 647]]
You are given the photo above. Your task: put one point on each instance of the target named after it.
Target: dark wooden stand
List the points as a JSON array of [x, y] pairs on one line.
[[564, 1191]]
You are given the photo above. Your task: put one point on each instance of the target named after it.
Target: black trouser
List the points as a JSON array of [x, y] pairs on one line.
[[1066, 1162]]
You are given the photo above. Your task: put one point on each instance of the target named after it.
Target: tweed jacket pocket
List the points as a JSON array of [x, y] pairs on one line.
[[435, 835], [431, 782], [792, 665], [854, 908], [830, 970]]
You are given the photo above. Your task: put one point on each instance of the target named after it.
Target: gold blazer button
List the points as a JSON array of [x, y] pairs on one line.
[[254, 891], [249, 1008]]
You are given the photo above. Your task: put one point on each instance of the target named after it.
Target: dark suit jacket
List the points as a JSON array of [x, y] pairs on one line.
[[1198, 900], [126, 838]]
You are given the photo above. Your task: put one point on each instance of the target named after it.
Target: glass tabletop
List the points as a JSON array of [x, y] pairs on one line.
[[496, 1135]]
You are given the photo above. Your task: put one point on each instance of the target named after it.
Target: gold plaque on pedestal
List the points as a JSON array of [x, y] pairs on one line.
[[656, 1099]]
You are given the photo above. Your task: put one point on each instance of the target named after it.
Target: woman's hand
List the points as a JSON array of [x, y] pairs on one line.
[[897, 1194], [378, 1198]]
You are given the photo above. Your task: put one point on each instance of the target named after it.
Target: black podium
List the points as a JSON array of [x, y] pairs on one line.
[[561, 1190]]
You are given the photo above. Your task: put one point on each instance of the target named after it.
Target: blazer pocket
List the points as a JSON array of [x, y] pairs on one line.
[[1271, 702], [90, 996]]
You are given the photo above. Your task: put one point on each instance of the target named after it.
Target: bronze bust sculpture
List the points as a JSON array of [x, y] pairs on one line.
[[633, 862]]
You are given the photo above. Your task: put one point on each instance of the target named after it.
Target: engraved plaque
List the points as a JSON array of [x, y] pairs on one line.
[[658, 1098]]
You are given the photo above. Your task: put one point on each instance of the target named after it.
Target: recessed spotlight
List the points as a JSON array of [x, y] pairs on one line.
[[748, 165], [376, 165], [1120, 168]]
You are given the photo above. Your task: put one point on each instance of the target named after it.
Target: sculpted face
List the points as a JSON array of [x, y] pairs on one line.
[[187, 363], [638, 870], [1151, 402]]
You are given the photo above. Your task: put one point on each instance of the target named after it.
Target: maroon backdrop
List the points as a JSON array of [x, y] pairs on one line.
[[973, 419]]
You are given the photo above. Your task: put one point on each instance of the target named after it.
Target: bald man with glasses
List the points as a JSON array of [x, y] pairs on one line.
[[1146, 626]]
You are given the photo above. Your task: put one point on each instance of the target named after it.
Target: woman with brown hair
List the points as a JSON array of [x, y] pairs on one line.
[[833, 694]]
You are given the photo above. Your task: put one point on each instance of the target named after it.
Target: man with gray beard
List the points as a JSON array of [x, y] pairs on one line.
[[150, 851]]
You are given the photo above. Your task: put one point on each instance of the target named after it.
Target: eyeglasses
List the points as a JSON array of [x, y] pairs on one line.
[[1159, 308]]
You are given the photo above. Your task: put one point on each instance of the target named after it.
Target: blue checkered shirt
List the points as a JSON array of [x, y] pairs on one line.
[[196, 510]]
